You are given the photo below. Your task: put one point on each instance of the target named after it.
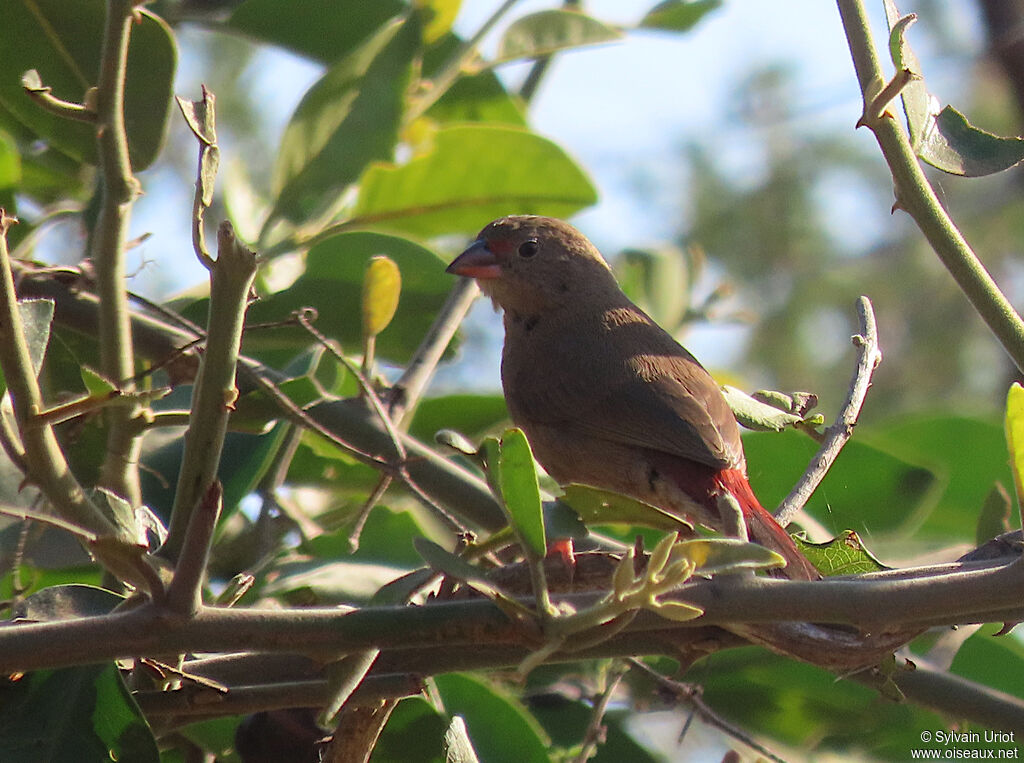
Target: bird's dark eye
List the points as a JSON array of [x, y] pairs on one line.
[[529, 248]]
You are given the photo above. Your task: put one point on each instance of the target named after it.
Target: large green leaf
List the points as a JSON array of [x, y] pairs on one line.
[[861, 491], [967, 454], [997, 662], [501, 730], [414, 734], [61, 40], [349, 118], [325, 30], [332, 283], [803, 705], [473, 174], [471, 415], [477, 97], [81, 714]]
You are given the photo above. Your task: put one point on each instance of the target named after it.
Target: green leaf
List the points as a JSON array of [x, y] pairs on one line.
[[62, 41], [843, 555], [996, 662], [520, 491], [10, 163], [349, 118], [954, 145], [332, 283], [678, 15], [340, 25], [546, 32], [945, 139], [858, 492], [82, 714], [753, 414], [472, 97], [95, 384], [414, 734], [64, 602], [596, 506], [1014, 424], [917, 101], [499, 727], [471, 415], [474, 174], [805, 707], [966, 457], [441, 14]]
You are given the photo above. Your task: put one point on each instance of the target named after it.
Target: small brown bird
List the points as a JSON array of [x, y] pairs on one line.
[[605, 396]]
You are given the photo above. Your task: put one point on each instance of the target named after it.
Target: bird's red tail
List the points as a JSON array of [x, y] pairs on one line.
[[762, 527]]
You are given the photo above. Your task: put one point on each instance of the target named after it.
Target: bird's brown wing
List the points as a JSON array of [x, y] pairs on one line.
[[659, 398]]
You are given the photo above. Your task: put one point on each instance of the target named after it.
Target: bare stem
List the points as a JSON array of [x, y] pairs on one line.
[[406, 392], [868, 358], [108, 245], [215, 391]]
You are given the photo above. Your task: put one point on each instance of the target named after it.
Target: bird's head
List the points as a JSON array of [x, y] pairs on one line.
[[526, 263]]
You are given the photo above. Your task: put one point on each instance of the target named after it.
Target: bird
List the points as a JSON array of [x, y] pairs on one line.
[[605, 396]]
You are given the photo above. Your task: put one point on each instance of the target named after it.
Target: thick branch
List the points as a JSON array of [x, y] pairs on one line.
[[877, 604]]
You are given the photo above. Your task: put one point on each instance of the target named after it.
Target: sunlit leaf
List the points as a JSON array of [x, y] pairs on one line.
[[349, 118], [843, 555], [441, 16], [332, 284], [470, 178], [518, 479], [547, 32], [1015, 434]]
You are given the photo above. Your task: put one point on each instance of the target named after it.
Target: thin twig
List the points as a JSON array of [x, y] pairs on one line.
[[868, 358], [396, 469], [408, 390], [689, 695], [595, 733]]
